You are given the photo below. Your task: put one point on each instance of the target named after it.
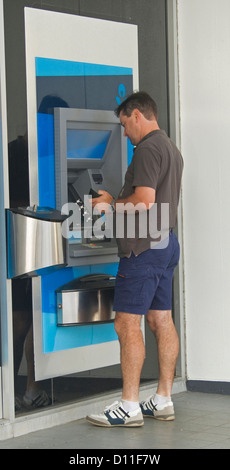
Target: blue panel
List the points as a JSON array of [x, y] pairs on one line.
[[46, 163], [129, 152], [56, 338], [101, 91], [110, 268], [53, 67]]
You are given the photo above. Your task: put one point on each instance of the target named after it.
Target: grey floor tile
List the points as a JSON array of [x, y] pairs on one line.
[[224, 444], [202, 422]]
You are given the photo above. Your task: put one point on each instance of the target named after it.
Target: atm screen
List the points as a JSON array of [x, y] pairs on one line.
[[87, 143]]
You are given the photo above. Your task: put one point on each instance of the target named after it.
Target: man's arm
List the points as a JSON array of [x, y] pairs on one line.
[[142, 195]]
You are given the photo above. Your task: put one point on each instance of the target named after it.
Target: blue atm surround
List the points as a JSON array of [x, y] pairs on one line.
[[77, 85]]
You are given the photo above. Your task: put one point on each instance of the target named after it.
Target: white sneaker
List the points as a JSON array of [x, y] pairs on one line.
[[163, 412], [115, 415]]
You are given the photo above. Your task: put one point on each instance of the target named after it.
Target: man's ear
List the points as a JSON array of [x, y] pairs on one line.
[[137, 114]]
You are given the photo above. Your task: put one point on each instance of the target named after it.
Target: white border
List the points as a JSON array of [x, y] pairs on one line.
[[75, 38]]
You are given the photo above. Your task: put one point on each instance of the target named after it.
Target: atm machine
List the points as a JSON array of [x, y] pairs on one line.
[[90, 155], [72, 263]]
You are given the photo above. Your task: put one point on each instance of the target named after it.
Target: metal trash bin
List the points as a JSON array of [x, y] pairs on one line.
[[88, 299]]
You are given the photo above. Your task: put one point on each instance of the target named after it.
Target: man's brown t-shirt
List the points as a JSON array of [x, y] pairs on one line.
[[158, 164]]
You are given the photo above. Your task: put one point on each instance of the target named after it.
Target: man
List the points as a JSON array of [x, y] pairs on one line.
[[144, 279]]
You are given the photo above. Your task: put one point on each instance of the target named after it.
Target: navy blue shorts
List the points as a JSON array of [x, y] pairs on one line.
[[144, 282]]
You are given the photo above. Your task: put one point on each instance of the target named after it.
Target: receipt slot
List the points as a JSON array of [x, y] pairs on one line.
[[90, 155]]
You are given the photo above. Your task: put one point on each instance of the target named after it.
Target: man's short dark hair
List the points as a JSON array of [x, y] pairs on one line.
[[138, 100]]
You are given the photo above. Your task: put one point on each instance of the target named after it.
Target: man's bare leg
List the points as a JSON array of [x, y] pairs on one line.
[[132, 347], [127, 412], [161, 324]]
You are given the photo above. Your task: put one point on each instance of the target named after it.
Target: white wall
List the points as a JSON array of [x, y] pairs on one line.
[[204, 74]]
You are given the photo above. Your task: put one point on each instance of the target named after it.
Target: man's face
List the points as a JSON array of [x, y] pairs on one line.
[[131, 127]]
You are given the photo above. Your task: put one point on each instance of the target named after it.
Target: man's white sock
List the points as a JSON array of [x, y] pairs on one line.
[[130, 405], [160, 400]]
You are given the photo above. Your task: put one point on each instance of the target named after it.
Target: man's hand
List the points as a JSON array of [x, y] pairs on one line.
[[102, 203]]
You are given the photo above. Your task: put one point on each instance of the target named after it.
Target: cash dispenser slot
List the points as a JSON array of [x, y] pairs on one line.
[[86, 300], [34, 240]]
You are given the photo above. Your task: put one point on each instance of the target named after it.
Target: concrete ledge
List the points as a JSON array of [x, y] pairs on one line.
[[58, 415]]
